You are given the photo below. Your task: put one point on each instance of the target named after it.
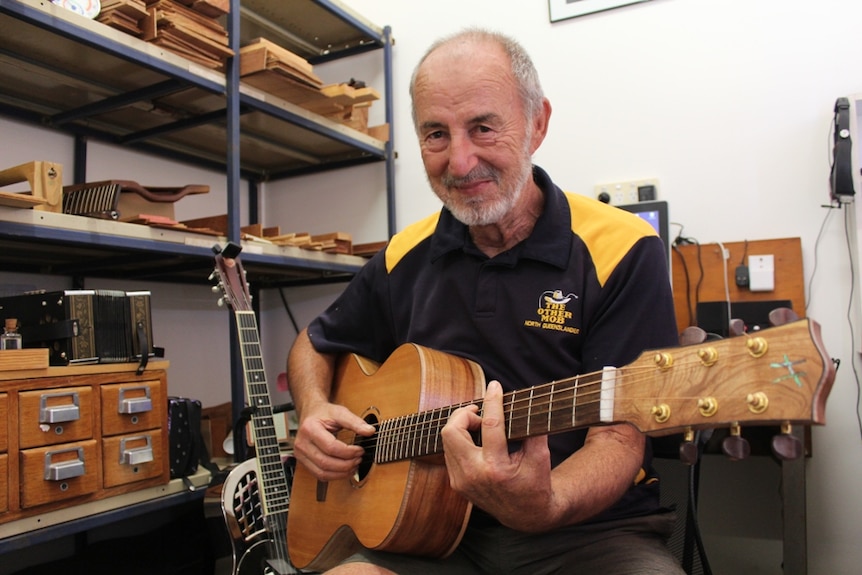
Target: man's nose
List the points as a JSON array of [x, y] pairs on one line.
[[462, 155]]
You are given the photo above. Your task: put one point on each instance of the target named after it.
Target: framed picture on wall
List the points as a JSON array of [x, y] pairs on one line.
[[562, 9]]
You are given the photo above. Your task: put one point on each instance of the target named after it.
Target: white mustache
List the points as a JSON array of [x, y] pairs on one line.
[[480, 172]]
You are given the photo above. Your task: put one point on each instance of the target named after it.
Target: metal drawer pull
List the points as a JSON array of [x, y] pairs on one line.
[[134, 404], [59, 413], [136, 455], [64, 469]]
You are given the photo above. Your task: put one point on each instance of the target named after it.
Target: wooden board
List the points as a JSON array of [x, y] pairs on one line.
[[14, 359], [687, 261], [20, 200]]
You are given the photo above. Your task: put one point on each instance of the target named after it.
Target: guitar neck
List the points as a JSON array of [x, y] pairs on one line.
[[274, 491], [542, 410]]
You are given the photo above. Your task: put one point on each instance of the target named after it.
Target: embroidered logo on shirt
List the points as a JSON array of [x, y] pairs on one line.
[[552, 313]]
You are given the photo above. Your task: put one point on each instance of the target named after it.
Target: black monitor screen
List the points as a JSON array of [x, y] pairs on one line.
[[656, 214]]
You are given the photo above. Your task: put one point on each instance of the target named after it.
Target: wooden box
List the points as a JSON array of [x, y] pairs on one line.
[[78, 434]]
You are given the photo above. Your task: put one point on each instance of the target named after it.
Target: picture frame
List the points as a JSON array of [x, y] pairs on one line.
[[565, 9]]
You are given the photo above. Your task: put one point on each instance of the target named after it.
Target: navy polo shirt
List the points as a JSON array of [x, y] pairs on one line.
[[588, 288]]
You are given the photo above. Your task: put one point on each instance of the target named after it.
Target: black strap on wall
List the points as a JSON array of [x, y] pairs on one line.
[[841, 178]]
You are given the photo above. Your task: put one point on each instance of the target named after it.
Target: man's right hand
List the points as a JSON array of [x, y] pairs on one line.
[[327, 457]]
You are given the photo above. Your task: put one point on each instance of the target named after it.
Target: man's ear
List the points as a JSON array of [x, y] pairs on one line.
[[540, 125]]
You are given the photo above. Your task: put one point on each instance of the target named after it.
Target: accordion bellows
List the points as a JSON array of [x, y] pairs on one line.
[[84, 326]]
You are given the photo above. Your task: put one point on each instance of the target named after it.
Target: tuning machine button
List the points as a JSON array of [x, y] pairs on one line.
[[688, 448], [735, 446], [785, 445]]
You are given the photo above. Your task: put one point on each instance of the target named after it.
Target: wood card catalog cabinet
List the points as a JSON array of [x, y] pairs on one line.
[[78, 434]]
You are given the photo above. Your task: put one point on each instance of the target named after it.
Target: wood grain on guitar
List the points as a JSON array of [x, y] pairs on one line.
[[400, 501]]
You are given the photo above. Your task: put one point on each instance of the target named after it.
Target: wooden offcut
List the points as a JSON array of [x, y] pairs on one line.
[[14, 359], [46, 186]]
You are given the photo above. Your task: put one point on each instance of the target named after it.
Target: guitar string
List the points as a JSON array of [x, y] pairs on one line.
[[514, 405]]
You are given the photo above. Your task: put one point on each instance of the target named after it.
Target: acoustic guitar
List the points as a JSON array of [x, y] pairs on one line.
[[399, 499], [255, 501]]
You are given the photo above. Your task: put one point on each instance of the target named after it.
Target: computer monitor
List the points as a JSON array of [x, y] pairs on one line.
[[656, 214]]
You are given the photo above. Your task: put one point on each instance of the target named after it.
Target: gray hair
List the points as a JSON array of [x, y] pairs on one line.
[[523, 70]]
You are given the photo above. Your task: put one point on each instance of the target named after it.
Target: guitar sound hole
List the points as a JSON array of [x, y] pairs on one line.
[[370, 446]]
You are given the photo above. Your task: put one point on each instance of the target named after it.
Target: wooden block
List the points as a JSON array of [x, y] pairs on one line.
[[380, 132], [212, 8], [253, 229], [335, 242], [217, 223], [369, 249], [276, 53], [134, 9], [271, 232], [30, 358], [22, 200], [45, 179]]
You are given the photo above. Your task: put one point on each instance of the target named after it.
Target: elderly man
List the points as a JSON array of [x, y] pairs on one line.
[[530, 283]]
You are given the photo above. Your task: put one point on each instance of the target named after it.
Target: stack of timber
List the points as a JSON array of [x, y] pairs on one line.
[[186, 27], [280, 72]]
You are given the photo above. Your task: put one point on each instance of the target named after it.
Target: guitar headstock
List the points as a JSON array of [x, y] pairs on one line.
[[781, 375], [231, 277]]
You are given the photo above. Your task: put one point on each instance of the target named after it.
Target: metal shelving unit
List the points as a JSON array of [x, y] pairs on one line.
[[77, 76], [65, 72]]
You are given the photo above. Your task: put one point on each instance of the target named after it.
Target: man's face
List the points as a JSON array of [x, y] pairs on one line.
[[475, 141]]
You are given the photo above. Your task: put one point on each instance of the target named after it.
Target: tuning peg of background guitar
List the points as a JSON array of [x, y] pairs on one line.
[[688, 452], [735, 446], [786, 446]]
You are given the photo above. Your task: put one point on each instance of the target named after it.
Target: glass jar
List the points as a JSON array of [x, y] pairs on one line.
[[11, 339]]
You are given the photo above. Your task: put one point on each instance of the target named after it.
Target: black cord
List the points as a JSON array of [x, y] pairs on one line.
[[691, 520], [847, 221], [287, 309]]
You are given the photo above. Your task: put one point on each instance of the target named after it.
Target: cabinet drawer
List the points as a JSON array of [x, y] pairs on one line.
[[4, 483], [59, 472], [49, 416], [132, 407], [4, 424], [130, 458]]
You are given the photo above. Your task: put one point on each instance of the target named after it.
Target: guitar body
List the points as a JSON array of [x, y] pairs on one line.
[[386, 507]]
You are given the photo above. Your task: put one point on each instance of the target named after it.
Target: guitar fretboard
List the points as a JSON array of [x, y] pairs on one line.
[[274, 489], [542, 410]]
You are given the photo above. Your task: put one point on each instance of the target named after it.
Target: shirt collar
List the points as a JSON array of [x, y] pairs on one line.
[[549, 242]]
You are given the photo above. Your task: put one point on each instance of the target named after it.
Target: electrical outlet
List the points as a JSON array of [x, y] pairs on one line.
[[622, 193]]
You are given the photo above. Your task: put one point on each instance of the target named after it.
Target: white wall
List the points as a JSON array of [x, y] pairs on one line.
[[727, 102]]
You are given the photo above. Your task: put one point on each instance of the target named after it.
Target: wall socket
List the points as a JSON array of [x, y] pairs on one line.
[[622, 193], [761, 272]]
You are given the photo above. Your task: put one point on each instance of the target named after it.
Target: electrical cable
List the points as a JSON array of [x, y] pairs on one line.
[[849, 221], [287, 309], [725, 255], [816, 245], [691, 520]]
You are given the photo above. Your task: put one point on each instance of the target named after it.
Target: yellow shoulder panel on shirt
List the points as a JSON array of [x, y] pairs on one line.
[[608, 232], [407, 239]]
